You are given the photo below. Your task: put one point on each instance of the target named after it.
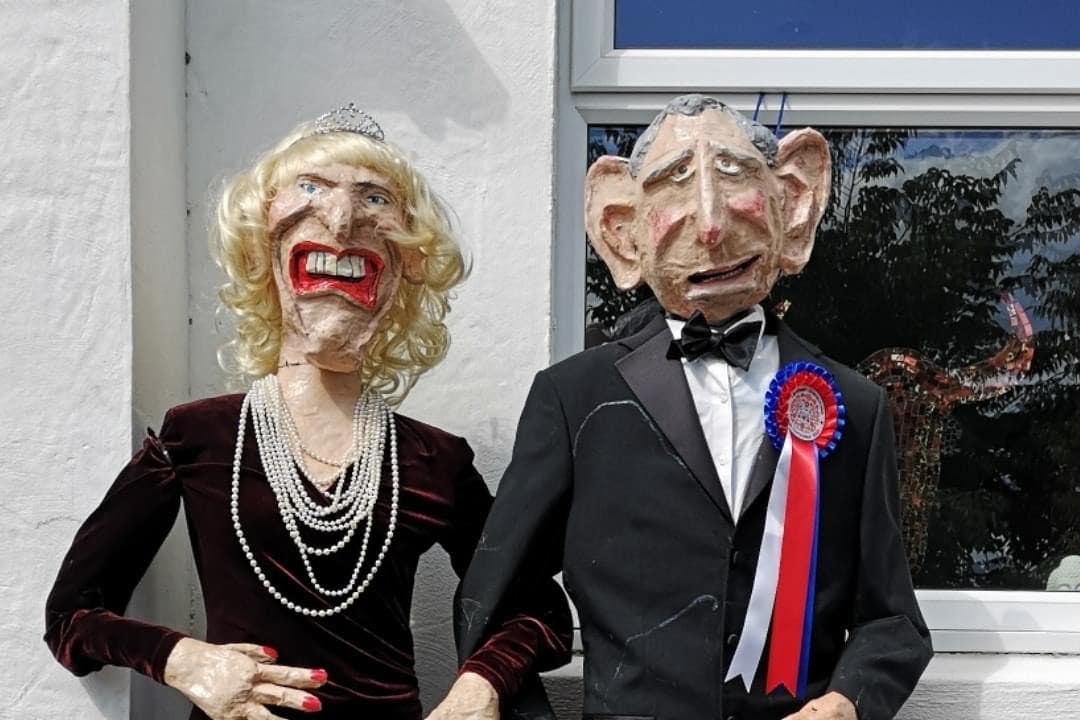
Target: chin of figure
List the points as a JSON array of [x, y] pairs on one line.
[[329, 335], [718, 307]]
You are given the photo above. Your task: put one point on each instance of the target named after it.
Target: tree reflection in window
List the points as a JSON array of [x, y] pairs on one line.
[[954, 254]]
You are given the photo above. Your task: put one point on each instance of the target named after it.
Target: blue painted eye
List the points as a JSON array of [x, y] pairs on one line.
[[309, 188], [377, 200]]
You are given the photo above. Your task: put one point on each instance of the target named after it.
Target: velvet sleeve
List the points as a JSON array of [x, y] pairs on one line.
[[888, 643], [520, 552], [536, 635], [84, 624]]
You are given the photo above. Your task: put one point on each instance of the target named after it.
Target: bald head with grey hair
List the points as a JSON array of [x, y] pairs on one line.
[[693, 105]]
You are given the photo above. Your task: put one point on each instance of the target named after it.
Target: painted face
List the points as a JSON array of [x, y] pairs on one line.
[[709, 226], [336, 268]]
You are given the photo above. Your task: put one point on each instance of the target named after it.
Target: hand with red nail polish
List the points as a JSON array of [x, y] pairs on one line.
[[238, 681]]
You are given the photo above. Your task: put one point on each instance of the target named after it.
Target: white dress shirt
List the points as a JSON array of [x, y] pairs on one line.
[[730, 405]]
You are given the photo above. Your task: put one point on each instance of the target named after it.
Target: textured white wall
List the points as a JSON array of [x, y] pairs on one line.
[[65, 274], [997, 687], [468, 87]]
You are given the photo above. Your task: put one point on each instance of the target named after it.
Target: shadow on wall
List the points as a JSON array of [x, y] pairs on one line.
[[256, 69], [102, 689], [285, 58]]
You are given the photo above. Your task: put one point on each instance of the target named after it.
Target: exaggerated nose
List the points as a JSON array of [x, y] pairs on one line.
[[710, 213], [338, 210]]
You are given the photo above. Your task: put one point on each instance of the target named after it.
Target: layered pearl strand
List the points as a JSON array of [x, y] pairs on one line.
[[350, 505]]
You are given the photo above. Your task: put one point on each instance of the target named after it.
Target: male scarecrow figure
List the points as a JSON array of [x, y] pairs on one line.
[[720, 497]]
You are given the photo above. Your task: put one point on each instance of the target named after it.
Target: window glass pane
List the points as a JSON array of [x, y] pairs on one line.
[[848, 24], [947, 269]]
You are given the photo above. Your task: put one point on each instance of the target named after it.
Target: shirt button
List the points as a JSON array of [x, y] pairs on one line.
[[722, 461], [723, 397], [732, 640]]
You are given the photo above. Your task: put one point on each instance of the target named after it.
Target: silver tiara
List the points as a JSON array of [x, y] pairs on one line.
[[348, 118]]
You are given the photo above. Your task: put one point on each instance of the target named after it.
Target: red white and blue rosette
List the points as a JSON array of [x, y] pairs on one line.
[[804, 420], [803, 399]]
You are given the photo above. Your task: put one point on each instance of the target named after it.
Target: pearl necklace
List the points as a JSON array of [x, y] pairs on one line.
[[351, 504], [294, 437]]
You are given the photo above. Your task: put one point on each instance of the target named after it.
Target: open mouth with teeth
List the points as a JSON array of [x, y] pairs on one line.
[[725, 273], [316, 269]]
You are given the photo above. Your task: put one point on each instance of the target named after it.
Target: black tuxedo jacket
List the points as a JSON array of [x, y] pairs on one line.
[[612, 483]]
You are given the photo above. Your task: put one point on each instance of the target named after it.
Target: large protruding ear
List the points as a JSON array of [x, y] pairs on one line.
[[804, 166], [610, 194]]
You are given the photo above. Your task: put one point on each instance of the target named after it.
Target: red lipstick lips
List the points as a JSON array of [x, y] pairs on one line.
[[319, 269]]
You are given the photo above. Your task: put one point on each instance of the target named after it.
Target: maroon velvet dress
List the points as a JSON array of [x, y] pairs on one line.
[[367, 650]]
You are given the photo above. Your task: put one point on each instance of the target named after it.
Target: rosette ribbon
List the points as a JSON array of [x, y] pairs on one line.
[[804, 418]]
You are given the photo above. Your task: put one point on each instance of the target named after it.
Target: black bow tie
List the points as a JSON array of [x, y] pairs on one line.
[[734, 342]]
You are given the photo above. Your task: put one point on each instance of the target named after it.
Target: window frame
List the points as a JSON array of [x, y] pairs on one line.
[[598, 66], [621, 87]]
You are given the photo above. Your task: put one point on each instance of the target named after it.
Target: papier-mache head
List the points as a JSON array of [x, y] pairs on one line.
[[338, 254], [709, 209]]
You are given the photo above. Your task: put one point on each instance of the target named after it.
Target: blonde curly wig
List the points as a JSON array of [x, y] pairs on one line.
[[411, 337]]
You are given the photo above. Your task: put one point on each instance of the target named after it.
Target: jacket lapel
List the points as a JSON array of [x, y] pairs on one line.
[[660, 387], [792, 348]]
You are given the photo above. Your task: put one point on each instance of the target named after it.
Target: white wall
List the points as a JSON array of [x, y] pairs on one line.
[[65, 275], [468, 87]]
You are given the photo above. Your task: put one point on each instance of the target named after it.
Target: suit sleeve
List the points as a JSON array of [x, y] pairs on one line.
[[509, 599], [533, 637], [888, 643], [84, 623]]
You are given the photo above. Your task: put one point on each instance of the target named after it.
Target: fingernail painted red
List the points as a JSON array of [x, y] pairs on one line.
[[319, 676], [311, 704], [270, 652]]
